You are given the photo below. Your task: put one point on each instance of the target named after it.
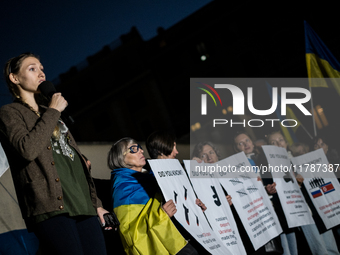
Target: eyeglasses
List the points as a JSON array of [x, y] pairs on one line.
[[133, 149]]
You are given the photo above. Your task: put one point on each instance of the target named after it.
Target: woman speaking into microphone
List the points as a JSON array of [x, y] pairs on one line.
[[55, 190]]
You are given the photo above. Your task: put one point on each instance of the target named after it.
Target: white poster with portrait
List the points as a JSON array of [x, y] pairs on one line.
[[218, 211], [250, 199], [321, 184], [291, 198], [175, 185]]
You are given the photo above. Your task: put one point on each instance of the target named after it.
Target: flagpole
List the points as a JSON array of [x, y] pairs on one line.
[[311, 101], [310, 136], [308, 65]]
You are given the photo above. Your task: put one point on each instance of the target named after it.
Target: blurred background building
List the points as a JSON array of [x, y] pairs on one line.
[[132, 87]]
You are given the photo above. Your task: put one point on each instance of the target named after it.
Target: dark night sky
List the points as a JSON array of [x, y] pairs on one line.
[[63, 33]]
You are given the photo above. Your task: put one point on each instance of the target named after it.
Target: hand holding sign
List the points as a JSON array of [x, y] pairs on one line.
[[200, 204], [271, 188], [170, 208]]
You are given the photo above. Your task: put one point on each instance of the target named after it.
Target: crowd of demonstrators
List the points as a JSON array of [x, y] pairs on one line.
[[57, 195], [52, 179], [323, 243], [320, 241], [208, 153]]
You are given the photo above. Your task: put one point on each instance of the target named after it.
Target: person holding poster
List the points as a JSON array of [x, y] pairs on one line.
[[242, 142], [333, 158], [298, 149], [208, 153], [331, 154], [162, 145], [145, 224], [318, 244]]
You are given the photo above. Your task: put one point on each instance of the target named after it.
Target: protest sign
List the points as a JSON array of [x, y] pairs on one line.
[[218, 211], [175, 185], [322, 185], [250, 200], [291, 198]]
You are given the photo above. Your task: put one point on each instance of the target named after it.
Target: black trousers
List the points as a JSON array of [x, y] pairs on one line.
[[64, 235], [188, 250]]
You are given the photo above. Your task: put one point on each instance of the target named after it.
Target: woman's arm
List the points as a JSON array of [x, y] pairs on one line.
[[28, 141]]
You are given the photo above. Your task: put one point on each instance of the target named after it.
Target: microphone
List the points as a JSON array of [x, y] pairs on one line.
[[48, 89]]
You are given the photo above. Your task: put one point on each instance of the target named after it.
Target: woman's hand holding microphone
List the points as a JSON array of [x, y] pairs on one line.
[[58, 102]]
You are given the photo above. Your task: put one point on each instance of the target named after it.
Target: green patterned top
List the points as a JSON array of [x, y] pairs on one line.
[[75, 189]]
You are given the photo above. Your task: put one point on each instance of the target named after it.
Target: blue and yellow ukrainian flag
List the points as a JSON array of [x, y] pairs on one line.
[[144, 228], [320, 62]]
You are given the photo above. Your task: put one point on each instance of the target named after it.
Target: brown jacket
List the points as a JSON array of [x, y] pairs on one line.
[[26, 140]]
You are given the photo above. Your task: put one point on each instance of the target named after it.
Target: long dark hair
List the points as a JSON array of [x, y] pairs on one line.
[[160, 142]]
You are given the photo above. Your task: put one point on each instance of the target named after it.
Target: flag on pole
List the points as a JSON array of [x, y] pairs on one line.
[[320, 62], [288, 132]]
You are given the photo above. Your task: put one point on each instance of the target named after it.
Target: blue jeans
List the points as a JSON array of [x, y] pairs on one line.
[[320, 244], [64, 235], [288, 242]]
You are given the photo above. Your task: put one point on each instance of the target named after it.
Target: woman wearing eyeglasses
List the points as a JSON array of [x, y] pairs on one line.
[[145, 224]]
